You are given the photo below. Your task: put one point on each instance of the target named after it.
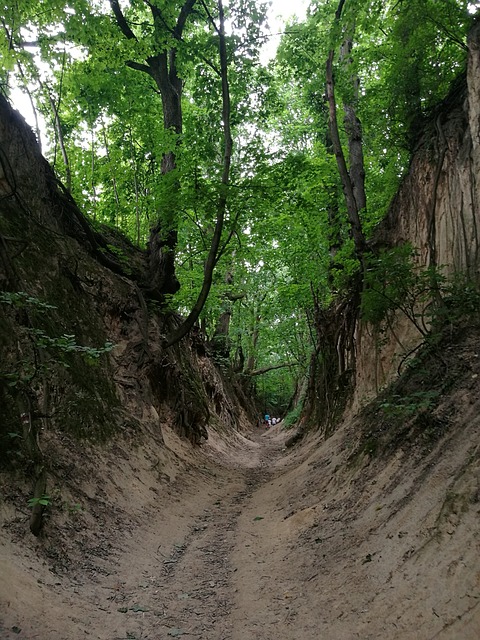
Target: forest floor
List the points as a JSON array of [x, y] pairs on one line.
[[248, 541]]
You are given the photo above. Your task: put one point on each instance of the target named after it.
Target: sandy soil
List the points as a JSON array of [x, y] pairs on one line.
[[240, 539]]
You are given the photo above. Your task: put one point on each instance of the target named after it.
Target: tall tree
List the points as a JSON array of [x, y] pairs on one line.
[[353, 179], [162, 67], [215, 246]]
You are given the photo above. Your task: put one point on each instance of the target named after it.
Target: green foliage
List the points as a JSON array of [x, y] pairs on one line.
[[22, 300], [286, 221], [393, 283], [67, 344], [390, 283], [58, 347], [44, 501], [423, 51], [461, 295], [75, 508], [293, 416], [398, 406]]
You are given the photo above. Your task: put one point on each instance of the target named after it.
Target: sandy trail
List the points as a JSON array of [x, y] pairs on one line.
[[251, 543], [172, 576]]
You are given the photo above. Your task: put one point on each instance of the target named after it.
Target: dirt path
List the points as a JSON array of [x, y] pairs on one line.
[[252, 544], [198, 587], [198, 579], [174, 575]]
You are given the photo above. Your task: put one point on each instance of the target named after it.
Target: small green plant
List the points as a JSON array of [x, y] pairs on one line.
[[59, 347], [461, 298], [67, 344], [371, 446], [392, 284], [74, 508], [44, 500], [408, 406], [21, 299]]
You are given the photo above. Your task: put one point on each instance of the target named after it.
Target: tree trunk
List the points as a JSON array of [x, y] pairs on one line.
[[352, 183], [353, 130], [221, 342], [252, 352], [162, 68], [213, 254], [352, 209]]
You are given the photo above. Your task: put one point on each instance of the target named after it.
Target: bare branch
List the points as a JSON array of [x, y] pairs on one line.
[[210, 17], [138, 66]]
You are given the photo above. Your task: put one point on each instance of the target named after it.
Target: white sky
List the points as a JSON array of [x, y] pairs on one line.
[[287, 8], [280, 11]]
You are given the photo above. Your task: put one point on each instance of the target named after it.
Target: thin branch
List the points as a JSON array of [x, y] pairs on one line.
[[199, 227], [58, 130], [177, 31], [210, 17], [32, 105], [451, 36], [233, 230], [185, 11], [191, 255], [122, 21], [138, 66], [259, 372]]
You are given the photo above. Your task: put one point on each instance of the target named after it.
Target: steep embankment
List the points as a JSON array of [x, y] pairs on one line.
[[436, 211], [86, 388], [364, 337], [239, 540], [82, 360]]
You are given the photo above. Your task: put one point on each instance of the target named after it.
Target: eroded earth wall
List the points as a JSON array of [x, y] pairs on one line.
[[437, 211]]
